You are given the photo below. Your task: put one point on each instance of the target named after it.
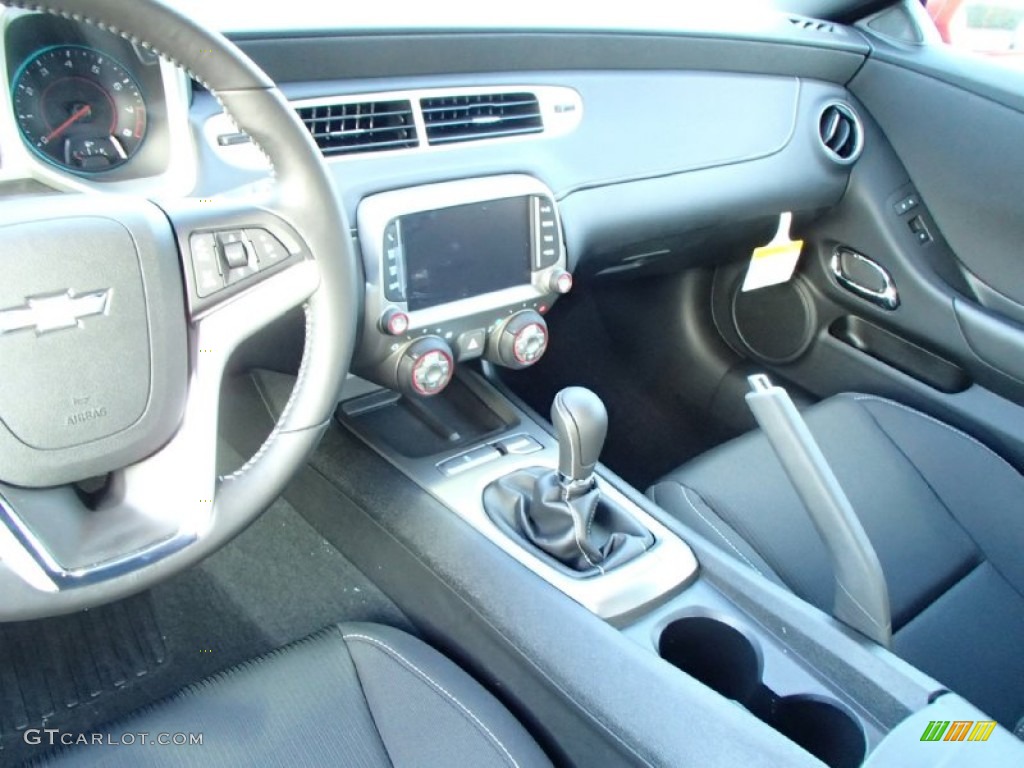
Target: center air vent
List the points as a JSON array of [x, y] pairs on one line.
[[450, 119], [363, 127], [841, 132]]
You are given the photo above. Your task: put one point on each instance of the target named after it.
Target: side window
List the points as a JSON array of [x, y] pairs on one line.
[[991, 28]]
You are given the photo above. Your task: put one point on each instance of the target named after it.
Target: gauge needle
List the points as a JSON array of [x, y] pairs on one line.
[[78, 115]]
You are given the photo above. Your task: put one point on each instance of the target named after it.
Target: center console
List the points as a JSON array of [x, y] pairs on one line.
[[835, 695], [457, 271], [494, 439], [528, 531]]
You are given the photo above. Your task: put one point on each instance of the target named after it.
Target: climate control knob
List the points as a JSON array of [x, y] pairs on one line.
[[519, 341], [425, 367]]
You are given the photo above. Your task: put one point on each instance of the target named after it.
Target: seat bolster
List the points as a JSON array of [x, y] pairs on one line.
[[970, 640], [428, 711], [359, 695], [690, 508], [983, 492], [300, 705]]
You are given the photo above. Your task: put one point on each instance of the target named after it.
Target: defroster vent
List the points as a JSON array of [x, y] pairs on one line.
[[361, 127], [450, 119]]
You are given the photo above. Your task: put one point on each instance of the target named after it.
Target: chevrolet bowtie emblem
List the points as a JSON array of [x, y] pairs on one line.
[[54, 312]]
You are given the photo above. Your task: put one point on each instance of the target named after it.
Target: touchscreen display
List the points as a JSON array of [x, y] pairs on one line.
[[453, 253]]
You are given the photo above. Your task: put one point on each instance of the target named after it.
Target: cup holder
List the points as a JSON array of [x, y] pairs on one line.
[[711, 651], [725, 660], [823, 729]]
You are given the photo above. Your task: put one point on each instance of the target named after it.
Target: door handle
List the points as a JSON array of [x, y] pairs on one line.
[[865, 278]]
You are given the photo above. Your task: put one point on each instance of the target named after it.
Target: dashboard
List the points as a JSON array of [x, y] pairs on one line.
[[475, 193]]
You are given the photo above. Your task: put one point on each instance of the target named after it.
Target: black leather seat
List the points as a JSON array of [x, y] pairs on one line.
[[944, 513], [353, 695]]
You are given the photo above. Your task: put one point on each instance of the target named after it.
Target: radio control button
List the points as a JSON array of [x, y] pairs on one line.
[[560, 282], [394, 322], [549, 247]]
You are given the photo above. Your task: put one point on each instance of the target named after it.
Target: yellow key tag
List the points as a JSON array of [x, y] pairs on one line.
[[776, 262]]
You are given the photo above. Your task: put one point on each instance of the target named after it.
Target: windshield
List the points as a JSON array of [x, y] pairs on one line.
[[244, 15]]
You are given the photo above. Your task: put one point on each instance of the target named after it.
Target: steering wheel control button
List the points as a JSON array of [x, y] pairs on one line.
[[520, 341], [471, 344], [560, 282], [269, 250], [236, 255], [394, 322], [205, 264], [425, 367], [233, 249], [469, 460]]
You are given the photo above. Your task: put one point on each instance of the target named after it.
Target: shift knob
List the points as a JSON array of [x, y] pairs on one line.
[[581, 423]]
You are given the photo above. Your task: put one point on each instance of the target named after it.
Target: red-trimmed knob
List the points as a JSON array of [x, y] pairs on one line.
[[426, 367], [394, 322], [518, 342], [560, 282]]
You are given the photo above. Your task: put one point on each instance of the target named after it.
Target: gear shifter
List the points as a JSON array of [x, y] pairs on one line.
[[561, 512], [581, 423]]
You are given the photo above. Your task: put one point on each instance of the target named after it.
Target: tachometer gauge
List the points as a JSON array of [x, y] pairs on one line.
[[79, 108]]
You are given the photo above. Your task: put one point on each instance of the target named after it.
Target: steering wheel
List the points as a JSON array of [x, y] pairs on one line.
[[113, 362]]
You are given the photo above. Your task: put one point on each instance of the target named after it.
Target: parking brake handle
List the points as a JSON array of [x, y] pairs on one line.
[[861, 595]]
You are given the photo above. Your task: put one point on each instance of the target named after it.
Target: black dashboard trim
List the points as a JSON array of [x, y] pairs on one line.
[[395, 55]]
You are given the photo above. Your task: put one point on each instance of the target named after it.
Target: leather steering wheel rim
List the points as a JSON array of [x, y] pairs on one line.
[[305, 199]]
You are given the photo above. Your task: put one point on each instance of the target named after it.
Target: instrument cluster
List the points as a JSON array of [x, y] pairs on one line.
[[86, 103]]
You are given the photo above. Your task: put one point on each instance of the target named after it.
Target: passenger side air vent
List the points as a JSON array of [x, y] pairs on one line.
[[811, 25], [450, 119], [361, 127], [841, 132]]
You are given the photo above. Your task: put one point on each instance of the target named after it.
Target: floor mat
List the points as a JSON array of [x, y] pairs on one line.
[[277, 582], [55, 665]]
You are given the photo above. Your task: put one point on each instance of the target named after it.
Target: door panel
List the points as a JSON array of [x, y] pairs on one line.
[[947, 134], [965, 154]]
